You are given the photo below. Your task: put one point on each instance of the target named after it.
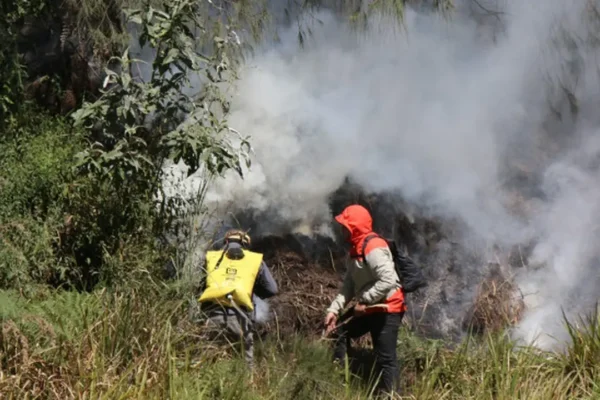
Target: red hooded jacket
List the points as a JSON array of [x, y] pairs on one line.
[[357, 220]]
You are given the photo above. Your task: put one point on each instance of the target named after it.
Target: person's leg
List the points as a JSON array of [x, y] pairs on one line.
[[356, 327], [234, 329], [248, 342], [241, 331], [385, 336], [216, 326]]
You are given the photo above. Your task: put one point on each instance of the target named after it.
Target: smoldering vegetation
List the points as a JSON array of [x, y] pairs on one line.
[[471, 139]]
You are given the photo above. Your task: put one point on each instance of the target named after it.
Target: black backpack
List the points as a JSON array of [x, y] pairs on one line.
[[410, 275]]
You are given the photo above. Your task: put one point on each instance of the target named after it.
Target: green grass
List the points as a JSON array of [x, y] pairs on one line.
[[141, 345]]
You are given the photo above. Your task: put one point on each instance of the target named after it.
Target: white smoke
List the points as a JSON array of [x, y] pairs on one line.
[[428, 113], [569, 277], [438, 112]]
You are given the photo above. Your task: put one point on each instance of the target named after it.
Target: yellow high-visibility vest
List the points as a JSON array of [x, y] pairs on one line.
[[231, 277]]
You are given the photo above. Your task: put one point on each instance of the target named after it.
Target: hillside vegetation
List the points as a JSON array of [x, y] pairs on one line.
[[98, 286]]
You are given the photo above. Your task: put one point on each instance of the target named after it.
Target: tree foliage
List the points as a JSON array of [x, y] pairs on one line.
[[12, 71], [166, 110], [141, 123], [103, 219]]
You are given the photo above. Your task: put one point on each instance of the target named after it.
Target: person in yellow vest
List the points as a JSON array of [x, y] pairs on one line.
[[236, 279]]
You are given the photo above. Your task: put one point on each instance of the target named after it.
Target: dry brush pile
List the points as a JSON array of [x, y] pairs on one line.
[[498, 303], [309, 275], [307, 286]]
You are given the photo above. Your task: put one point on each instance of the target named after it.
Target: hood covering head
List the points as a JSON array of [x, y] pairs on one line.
[[357, 220]]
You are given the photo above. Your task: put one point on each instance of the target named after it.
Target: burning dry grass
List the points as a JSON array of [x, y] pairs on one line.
[[306, 290], [307, 287], [498, 303]]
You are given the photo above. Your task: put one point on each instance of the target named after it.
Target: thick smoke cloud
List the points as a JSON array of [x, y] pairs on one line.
[[442, 113], [427, 112]]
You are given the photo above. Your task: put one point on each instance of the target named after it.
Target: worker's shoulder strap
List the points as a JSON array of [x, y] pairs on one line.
[[221, 256], [365, 242]]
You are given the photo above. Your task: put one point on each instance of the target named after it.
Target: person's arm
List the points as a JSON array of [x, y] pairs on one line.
[[382, 265], [343, 297], [265, 285]]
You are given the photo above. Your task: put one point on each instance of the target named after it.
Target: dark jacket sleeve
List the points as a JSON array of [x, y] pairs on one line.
[[265, 285]]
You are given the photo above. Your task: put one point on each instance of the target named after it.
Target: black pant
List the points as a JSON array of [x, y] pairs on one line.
[[383, 328]]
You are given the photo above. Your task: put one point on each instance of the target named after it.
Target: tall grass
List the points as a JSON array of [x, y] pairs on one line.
[[140, 344]]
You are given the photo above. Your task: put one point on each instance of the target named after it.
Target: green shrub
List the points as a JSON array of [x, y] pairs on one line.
[[36, 165], [37, 161]]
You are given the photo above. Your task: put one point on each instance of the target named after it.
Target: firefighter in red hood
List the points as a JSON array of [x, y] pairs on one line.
[[370, 279]]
